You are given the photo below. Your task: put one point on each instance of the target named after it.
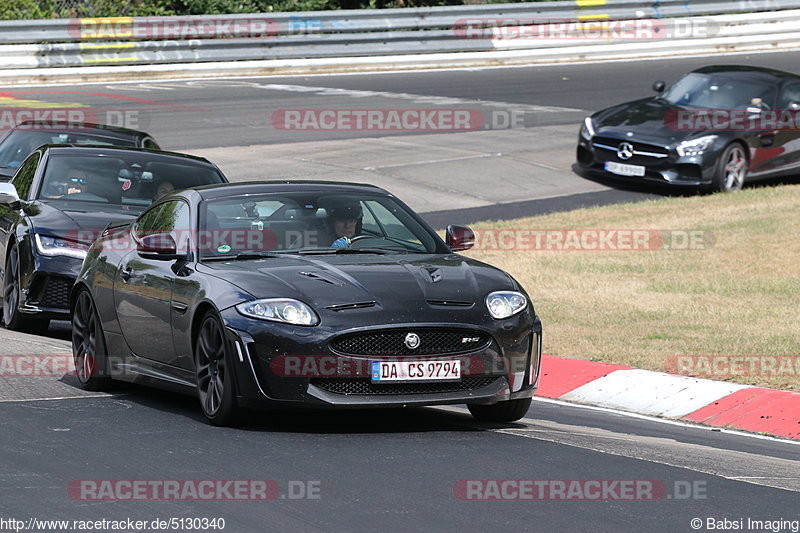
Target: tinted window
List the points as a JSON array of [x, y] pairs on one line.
[[292, 222], [169, 217], [133, 178], [150, 143], [23, 179], [718, 91], [20, 143], [791, 95]]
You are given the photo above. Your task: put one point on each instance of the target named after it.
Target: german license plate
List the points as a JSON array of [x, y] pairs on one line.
[[384, 371], [624, 170]]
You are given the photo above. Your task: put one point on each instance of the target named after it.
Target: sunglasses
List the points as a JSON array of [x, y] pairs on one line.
[[82, 181]]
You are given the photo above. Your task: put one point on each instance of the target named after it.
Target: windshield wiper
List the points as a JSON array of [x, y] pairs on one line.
[[244, 256], [334, 251]]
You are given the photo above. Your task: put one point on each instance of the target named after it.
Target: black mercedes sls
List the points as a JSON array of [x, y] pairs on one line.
[[715, 128]]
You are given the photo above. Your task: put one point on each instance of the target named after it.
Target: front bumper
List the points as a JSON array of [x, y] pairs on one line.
[[46, 286], [673, 170], [506, 369]]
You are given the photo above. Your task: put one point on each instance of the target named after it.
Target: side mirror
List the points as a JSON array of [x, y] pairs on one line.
[[9, 196], [159, 246], [459, 238], [658, 86]]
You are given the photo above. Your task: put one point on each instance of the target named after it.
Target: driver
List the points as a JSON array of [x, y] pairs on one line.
[[77, 182], [346, 224]]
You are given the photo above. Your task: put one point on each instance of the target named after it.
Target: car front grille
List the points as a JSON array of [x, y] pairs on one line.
[[432, 341], [365, 387], [56, 293], [642, 151]]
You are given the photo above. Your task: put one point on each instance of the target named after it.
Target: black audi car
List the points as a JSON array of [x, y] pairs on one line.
[[302, 293], [715, 128], [26, 136], [59, 201]]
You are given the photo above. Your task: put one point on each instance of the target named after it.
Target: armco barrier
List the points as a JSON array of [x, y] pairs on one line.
[[440, 36]]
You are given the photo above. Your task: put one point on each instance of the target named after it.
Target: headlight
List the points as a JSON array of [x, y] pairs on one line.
[[283, 310], [587, 130], [52, 246], [695, 146], [503, 304]]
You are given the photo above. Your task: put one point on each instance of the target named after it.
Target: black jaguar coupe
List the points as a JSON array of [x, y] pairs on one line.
[[714, 128], [302, 293]]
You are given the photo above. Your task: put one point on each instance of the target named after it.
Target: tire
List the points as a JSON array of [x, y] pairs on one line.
[[12, 317], [507, 411], [214, 370], [731, 169], [88, 345]]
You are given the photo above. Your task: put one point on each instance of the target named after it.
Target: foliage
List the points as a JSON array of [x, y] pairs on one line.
[[44, 9]]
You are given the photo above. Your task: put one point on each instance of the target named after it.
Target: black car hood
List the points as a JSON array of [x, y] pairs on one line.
[[81, 221], [647, 119], [407, 281]]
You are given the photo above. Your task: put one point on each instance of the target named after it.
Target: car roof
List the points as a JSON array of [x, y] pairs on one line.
[[222, 190], [104, 129], [768, 74], [111, 150]]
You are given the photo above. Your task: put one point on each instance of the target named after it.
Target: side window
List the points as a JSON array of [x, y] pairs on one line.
[[388, 222], [790, 95], [23, 179], [170, 217], [150, 143]]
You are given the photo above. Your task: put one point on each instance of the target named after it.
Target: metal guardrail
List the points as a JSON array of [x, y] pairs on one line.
[[351, 33]]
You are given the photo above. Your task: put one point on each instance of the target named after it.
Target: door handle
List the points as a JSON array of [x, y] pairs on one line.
[[125, 275]]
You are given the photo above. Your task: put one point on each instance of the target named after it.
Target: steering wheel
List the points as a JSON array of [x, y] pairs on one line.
[[358, 238]]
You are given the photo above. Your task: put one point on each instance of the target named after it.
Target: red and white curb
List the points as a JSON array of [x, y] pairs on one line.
[[709, 402]]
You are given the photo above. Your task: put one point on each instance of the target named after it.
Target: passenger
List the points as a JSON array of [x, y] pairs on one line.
[[164, 188]]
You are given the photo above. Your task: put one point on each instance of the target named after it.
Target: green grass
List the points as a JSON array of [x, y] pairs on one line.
[[738, 294]]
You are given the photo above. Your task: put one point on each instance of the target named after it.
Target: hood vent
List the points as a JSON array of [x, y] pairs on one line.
[[434, 273], [449, 303], [345, 307], [321, 277]]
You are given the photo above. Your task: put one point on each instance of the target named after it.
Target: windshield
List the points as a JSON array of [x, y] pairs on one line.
[[309, 223], [719, 91], [20, 143], [125, 178]]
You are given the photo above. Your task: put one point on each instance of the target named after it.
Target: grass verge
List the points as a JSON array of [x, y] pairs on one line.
[[713, 278]]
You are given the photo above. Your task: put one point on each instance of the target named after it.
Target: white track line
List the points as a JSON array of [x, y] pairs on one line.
[[403, 71]]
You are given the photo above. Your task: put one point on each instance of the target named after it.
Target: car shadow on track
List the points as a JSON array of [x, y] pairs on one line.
[[630, 185], [306, 420], [671, 191]]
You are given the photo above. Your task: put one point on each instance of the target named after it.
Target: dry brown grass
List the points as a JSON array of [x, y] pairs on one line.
[[738, 296]]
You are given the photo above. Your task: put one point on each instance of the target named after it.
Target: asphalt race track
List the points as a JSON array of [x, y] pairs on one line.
[[387, 470]]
